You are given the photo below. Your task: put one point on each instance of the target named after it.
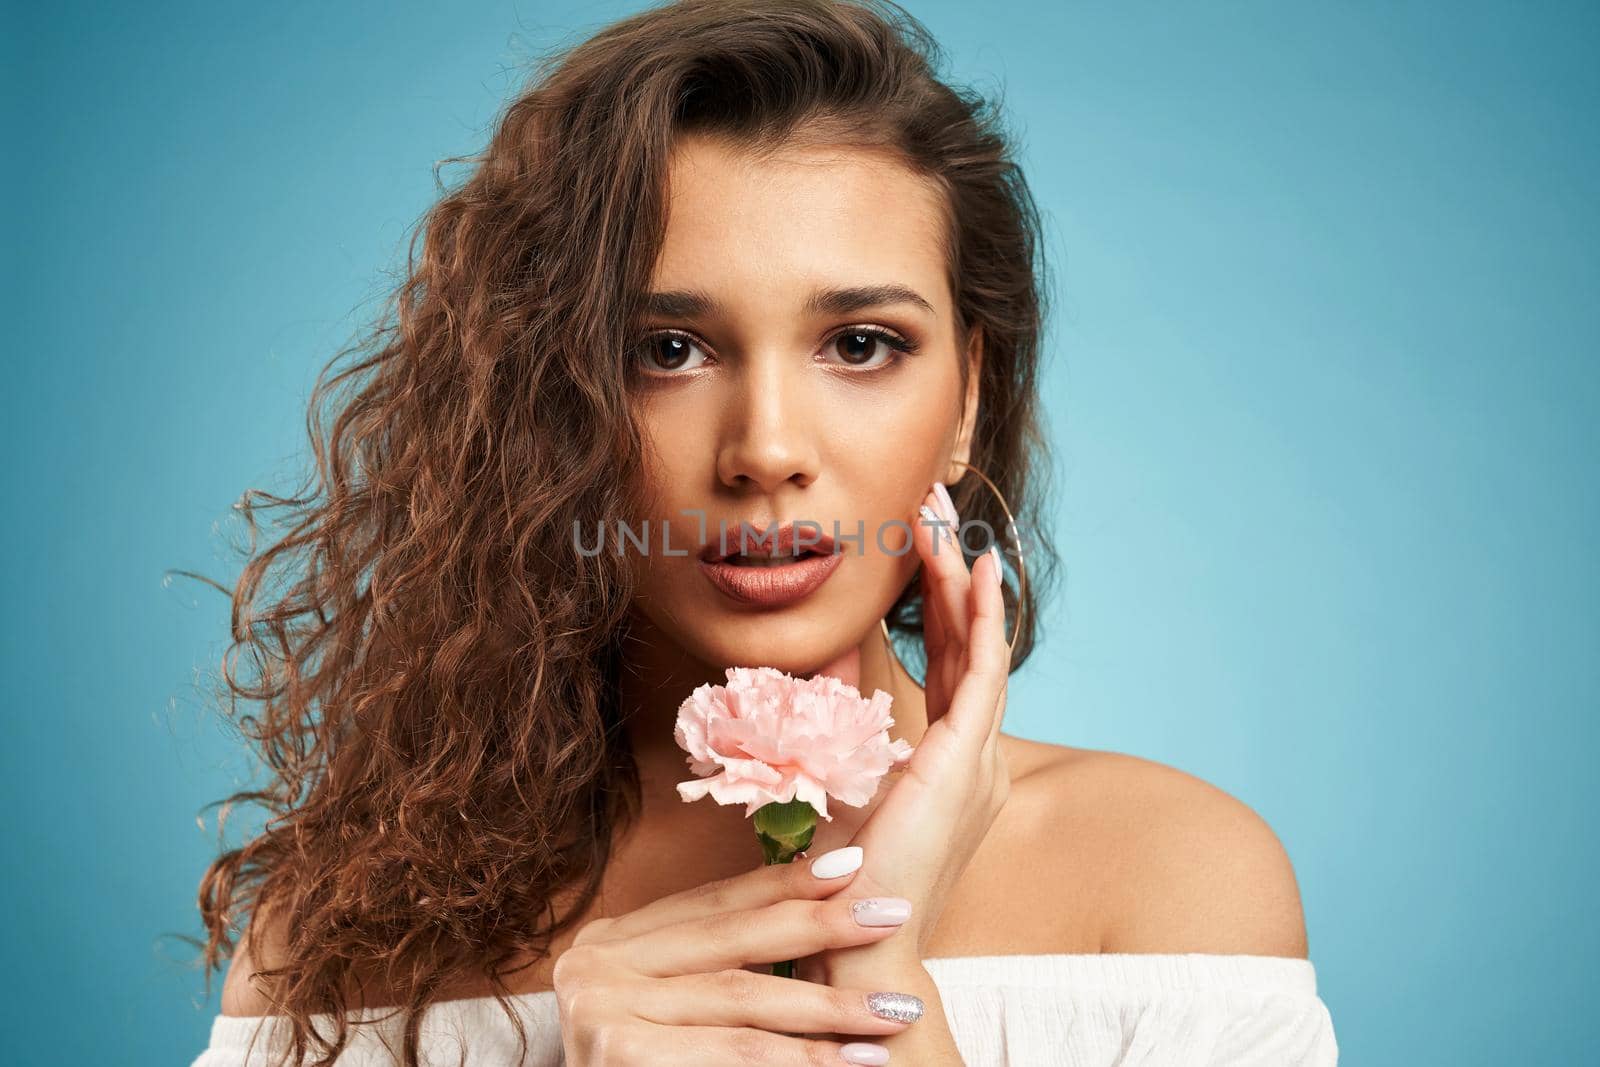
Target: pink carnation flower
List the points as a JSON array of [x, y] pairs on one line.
[[769, 737]]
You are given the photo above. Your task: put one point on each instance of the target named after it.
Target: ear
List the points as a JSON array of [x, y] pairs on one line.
[[962, 449]]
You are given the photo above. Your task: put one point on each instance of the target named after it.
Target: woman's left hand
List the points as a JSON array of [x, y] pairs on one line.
[[924, 831]]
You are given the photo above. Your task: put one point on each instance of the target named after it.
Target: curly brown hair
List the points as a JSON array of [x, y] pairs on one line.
[[436, 666]]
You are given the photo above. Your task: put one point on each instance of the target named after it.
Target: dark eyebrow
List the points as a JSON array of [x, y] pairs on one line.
[[691, 303], [857, 298]]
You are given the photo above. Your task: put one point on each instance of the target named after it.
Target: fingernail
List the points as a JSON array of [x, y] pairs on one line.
[[939, 523], [882, 911], [901, 1007], [864, 1052], [838, 863], [994, 550], [946, 505]]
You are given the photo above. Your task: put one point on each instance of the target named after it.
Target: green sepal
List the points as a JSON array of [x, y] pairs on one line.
[[784, 828]]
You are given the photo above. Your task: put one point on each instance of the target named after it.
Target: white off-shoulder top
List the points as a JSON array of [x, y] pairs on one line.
[[1078, 1010]]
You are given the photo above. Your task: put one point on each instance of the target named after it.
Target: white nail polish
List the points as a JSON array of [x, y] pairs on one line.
[[864, 1052], [838, 863], [946, 504]]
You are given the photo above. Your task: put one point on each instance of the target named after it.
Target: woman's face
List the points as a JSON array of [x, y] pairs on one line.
[[800, 364]]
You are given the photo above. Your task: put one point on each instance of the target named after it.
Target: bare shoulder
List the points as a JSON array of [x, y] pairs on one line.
[[243, 991], [1172, 863]]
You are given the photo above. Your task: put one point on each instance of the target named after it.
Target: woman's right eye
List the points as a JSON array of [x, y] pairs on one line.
[[666, 352]]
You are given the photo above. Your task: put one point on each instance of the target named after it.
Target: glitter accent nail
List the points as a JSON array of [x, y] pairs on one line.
[[901, 1007], [939, 523]]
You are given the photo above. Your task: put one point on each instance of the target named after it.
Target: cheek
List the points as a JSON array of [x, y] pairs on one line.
[[895, 441], [675, 467], [677, 445], [885, 463]]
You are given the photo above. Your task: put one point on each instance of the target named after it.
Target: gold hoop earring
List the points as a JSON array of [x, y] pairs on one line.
[[1022, 571]]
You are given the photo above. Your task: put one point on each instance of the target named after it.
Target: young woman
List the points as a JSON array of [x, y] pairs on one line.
[[727, 263]]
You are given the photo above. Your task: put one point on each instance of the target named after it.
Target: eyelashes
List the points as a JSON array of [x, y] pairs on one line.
[[678, 348], [897, 344]]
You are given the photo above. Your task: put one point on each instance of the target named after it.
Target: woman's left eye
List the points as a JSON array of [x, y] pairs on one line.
[[868, 346]]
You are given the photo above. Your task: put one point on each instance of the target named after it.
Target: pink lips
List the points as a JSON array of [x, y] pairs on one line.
[[772, 587], [777, 586]]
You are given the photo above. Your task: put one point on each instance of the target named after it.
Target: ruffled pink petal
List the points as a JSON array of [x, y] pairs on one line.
[[766, 736]]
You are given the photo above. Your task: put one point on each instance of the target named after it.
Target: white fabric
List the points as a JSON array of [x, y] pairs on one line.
[[1085, 1010]]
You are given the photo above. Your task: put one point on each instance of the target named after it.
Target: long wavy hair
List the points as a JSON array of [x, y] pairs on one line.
[[430, 661]]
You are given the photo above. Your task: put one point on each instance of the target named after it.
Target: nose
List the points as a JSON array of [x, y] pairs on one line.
[[767, 439]]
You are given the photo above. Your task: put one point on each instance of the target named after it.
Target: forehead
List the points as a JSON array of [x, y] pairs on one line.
[[772, 224]]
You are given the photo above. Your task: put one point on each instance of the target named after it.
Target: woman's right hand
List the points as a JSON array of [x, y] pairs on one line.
[[667, 984]]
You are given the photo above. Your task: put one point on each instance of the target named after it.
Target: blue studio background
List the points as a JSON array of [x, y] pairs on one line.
[[1323, 380]]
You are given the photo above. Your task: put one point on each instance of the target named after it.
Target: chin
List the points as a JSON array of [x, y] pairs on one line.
[[788, 645]]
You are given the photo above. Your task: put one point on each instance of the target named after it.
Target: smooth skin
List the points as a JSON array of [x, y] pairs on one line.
[[768, 407]]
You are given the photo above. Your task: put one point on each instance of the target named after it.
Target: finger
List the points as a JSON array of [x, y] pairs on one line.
[[975, 704], [764, 1001], [811, 879], [945, 585], [933, 535], [934, 643], [693, 1046], [998, 717], [936, 636], [955, 608], [944, 566], [1004, 650], [934, 633], [785, 930]]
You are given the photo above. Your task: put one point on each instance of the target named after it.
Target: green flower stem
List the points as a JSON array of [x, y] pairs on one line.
[[784, 828]]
